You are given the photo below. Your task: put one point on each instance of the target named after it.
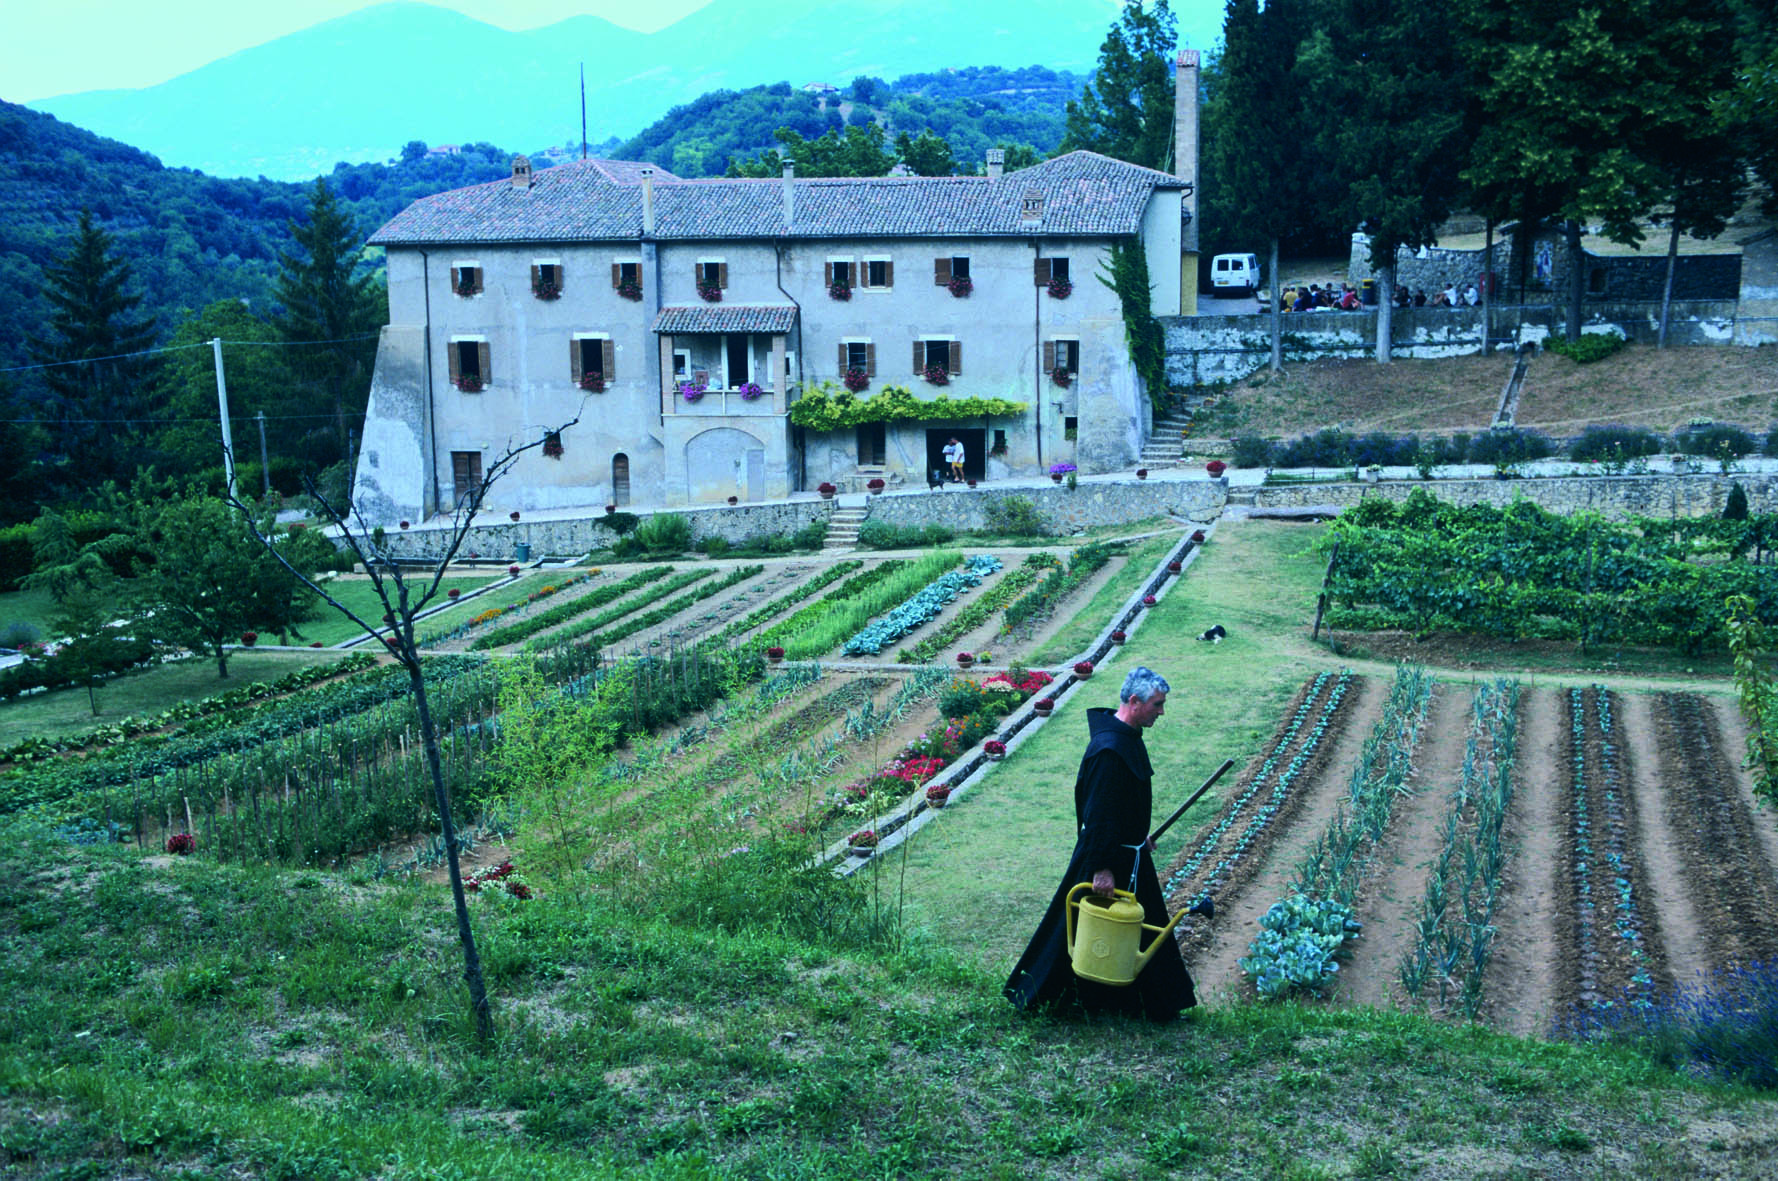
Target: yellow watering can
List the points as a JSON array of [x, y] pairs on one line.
[[1107, 946]]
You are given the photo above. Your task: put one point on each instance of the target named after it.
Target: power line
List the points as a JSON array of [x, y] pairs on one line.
[[179, 348]]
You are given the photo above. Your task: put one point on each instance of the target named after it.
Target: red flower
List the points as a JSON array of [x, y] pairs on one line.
[[182, 843], [1083, 667], [1216, 467], [454, 592], [994, 746], [1118, 637], [1148, 600], [513, 570]]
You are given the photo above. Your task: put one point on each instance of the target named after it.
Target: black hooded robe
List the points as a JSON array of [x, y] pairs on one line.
[[1113, 798]]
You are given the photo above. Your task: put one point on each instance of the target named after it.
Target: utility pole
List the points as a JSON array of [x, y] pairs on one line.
[[228, 440], [265, 465]]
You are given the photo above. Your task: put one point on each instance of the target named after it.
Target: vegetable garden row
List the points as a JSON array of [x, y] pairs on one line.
[[1660, 870]]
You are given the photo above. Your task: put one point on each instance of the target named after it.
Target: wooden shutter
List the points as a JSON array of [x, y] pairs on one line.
[[455, 361], [1049, 356], [536, 276], [482, 360], [870, 359], [617, 273], [574, 368], [842, 360], [827, 274], [608, 359], [889, 273], [941, 271], [1041, 272], [919, 357], [722, 275], [956, 365]]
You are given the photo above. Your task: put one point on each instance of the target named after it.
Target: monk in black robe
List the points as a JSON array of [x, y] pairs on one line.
[[1113, 797]]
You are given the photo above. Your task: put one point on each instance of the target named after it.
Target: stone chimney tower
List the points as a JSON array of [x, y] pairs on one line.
[[1185, 167], [996, 162], [647, 175], [789, 194], [521, 172]]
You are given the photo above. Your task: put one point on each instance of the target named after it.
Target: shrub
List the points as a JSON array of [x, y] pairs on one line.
[[1324, 448], [17, 558], [21, 634], [1592, 346], [1384, 449], [1503, 447], [960, 698], [811, 536], [1614, 443], [1735, 509], [883, 535], [1016, 516], [619, 523], [663, 533], [1715, 440], [1771, 447], [714, 545], [1726, 1026], [1252, 451]]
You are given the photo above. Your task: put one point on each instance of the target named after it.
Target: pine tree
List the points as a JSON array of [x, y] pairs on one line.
[[1126, 111], [93, 402], [332, 308]]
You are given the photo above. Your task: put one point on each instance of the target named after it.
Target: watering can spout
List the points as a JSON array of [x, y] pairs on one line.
[[1105, 935]]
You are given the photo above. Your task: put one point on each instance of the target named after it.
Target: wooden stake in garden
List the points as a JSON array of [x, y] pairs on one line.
[[402, 604]]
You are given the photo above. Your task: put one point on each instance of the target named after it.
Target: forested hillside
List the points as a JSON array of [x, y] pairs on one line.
[[972, 109]]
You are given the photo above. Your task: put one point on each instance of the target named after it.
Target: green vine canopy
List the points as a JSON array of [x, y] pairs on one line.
[[830, 408]]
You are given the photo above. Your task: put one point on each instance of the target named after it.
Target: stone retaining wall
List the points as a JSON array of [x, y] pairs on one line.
[[1064, 511], [1613, 497]]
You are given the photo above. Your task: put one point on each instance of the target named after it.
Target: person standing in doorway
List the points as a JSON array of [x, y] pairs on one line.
[[954, 457]]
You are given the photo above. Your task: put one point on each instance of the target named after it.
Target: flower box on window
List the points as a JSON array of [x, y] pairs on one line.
[[750, 390], [545, 290], [630, 289], [960, 286], [1061, 288], [552, 445], [709, 293], [593, 382], [1061, 376], [470, 383], [839, 291], [856, 380], [691, 391], [936, 374]]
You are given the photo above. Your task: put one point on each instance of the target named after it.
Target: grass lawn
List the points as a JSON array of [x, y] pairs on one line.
[[330, 627], [145, 691], [1015, 830], [30, 607]]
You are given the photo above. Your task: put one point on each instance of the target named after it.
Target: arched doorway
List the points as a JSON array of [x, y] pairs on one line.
[[620, 479]]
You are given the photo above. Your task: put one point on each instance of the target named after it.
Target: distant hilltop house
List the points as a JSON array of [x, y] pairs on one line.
[[445, 150], [820, 88], [682, 319]]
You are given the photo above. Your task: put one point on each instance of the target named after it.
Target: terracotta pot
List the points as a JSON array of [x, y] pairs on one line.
[[1056, 477], [937, 801], [966, 662], [1042, 711]]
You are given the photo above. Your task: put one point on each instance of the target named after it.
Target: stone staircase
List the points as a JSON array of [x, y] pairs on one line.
[[1166, 445], [842, 527]]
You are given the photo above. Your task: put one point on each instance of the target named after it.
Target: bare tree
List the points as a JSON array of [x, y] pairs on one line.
[[403, 600]]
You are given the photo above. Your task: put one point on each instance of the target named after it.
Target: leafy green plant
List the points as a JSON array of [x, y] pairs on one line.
[[1591, 347], [1015, 516]]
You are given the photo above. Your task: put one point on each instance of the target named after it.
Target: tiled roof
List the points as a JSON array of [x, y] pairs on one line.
[[1085, 194], [726, 317]]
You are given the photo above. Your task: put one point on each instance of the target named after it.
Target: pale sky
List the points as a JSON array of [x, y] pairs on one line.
[[54, 47]]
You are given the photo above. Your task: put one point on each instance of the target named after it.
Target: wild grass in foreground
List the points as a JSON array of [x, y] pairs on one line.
[[172, 1017]]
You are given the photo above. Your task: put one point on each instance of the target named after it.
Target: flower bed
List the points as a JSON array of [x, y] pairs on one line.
[[922, 607]]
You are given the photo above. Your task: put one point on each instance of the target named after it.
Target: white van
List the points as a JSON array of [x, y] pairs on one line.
[[1234, 274]]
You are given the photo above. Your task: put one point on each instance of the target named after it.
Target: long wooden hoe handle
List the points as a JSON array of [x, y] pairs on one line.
[[1196, 796]]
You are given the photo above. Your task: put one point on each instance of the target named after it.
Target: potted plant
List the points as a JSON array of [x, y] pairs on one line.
[[1148, 600], [960, 286], [938, 795], [470, 383], [1216, 467], [855, 379], [1083, 669], [182, 843], [775, 654], [404, 524], [827, 490], [455, 592], [750, 390], [965, 660], [630, 289], [734, 500], [691, 391], [1058, 470], [970, 483], [547, 290], [609, 509], [1061, 288], [936, 375], [1042, 706], [876, 484], [839, 290], [709, 293], [513, 570], [863, 842], [248, 639], [593, 382], [1198, 536], [1061, 376], [1175, 567], [1118, 636], [994, 748], [1142, 473], [552, 445]]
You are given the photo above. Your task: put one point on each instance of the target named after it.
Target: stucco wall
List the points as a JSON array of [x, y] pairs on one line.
[[394, 468]]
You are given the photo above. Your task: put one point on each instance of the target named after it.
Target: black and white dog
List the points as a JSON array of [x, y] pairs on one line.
[[935, 479], [1214, 635]]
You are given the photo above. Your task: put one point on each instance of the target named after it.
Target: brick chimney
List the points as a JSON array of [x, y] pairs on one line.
[[647, 202], [789, 194], [521, 172], [996, 162], [1185, 141]]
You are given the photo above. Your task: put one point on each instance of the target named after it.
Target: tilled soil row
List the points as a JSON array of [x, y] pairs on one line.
[[1225, 884], [1730, 887], [1608, 934]]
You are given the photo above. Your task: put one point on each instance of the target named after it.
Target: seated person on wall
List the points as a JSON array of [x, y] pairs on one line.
[[1419, 297]]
